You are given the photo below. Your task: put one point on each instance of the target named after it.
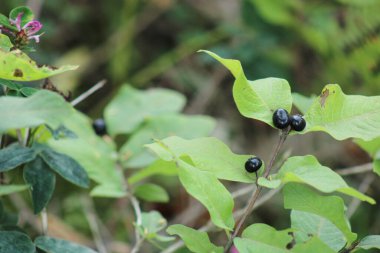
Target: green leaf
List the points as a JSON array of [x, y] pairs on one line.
[[95, 155], [27, 14], [307, 224], [8, 189], [344, 116], [17, 66], [10, 84], [44, 107], [307, 170], [196, 241], [130, 107], [159, 127], [42, 181], [267, 234], [28, 91], [66, 166], [370, 242], [4, 21], [5, 43], [15, 242], [314, 245], [159, 167], [302, 198], [151, 192], [54, 245], [260, 98], [151, 224], [207, 154], [373, 149], [15, 155], [245, 245], [302, 102]]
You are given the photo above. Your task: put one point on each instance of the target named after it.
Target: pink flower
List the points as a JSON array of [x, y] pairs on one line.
[[234, 249], [29, 29]]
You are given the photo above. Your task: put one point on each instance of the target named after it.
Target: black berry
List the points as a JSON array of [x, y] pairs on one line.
[[99, 127], [297, 122], [281, 119], [253, 164]]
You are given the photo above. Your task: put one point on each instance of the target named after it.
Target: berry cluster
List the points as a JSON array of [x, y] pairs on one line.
[[282, 120]]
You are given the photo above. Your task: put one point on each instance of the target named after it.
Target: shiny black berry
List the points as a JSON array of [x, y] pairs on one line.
[[281, 119], [253, 164], [297, 122], [99, 127]]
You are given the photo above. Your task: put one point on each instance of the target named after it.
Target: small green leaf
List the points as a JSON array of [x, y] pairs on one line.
[[15, 242], [8, 189], [131, 107], [373, 149], [4, 21], [15, 155], [17, 66], [151, 224], [27, 14], [5, 43], [158, 127], [42, 181], [151, 192], [314, 245], [302, 198], [260, 98], [344, 116], [54, 245], [159, 167], [28, 91], [196, 241], [43, 107], [66, 166], [370, 242], [307, 170], [10, 84], [207, 154], [245, 245], [307, 224]]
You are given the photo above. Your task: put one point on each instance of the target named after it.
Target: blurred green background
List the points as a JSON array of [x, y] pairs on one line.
[[153, 43]]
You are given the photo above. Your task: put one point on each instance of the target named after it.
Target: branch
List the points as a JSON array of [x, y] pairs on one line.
[[355, 170], [88, 93], [363, 188]]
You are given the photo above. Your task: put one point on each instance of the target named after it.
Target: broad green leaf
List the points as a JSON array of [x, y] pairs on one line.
[[151, 192], [206, 188], [265, 234], [5, 43], [151, 224], [159, 167], [95, 155], [44, 107], [245, 245], [307, 224], [344, 116], [260, 98], [302, 198], [17, 66], [27, 14], [8, 189], [307, 170], [65, 166], [370, 242], [314, 245], [302, 102], [130, 107], [196, 241], [42, 181], [54, 245], [15, 155], [15, 242], [207, 154], [159, 127]]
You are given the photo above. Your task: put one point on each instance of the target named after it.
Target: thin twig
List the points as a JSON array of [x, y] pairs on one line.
[[88, 93], [355, 170], [26, 138], [256, 193], [44, 221], [363, 188], [19, 137], [92, 219], [237, 214]]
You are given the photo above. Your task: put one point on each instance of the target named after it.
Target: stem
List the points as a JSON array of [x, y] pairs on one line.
[[44, 220], [88, 93], [256, 193], [19, 137]]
